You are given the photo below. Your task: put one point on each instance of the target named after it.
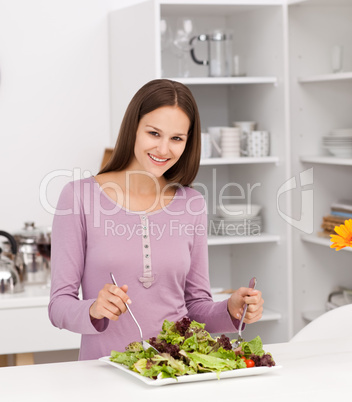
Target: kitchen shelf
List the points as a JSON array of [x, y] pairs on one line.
[[226, 80], [214, 240], [321, 241], [238, 161], [328, 160], [325, 77], [269, 315]]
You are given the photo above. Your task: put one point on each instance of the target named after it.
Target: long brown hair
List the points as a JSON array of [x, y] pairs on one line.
[[151, 96]]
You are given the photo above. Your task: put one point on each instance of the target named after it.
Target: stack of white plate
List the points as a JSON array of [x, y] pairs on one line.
[[236, 220], [339, 142]]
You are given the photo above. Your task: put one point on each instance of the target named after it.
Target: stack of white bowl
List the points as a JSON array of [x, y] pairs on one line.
[[339, 142], [237, 220]]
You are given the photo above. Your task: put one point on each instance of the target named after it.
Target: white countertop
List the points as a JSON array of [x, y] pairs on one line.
[[312, 371], [32, 296]]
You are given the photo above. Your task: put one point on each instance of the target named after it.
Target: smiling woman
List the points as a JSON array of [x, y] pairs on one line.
[[140, 220]]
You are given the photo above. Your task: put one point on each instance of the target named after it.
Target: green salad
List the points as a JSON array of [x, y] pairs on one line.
[[186, 348]]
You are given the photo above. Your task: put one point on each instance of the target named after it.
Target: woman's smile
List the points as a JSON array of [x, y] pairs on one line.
[[158, 161]]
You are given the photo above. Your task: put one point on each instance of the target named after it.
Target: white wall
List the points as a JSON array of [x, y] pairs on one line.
[[54, 99]]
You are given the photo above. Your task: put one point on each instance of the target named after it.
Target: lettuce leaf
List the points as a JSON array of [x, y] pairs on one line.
[[253, 347]]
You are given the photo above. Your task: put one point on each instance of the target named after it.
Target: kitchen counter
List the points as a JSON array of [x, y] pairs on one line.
[[317, 371]]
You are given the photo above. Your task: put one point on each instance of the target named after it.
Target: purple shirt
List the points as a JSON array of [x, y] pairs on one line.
[[162, 256]]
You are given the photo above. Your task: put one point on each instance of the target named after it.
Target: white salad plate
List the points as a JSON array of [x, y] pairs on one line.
[[195, 377]]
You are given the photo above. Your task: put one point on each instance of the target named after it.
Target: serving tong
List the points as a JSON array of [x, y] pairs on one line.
[[236, 344], [144, 343]]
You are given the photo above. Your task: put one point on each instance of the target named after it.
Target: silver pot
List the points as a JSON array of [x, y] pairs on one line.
[[29, 260], [9, 277]]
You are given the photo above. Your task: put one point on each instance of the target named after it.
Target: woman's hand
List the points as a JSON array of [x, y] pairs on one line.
[[243, 296], [110, 302]]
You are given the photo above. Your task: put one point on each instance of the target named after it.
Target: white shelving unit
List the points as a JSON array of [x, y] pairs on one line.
[[320, 102], [261, 95], [289, 89]]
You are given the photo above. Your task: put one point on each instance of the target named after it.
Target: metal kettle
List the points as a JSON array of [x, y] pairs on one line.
[[9, 277]]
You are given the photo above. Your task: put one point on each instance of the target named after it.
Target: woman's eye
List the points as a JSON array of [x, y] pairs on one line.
[[153, 133], [177, 138]]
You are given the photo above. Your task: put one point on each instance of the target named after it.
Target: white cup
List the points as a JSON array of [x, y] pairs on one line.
[[258, 144], [245, 126], [206, 146], [215, 135]]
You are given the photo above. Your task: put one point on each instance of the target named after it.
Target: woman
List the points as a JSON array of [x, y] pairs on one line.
[[140, 219]]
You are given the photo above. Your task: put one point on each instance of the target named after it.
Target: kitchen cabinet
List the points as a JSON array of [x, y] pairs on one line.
[[28, 328], [320, 102], [290, 90], [259, 32]]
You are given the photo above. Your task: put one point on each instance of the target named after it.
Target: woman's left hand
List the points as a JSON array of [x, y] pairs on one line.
[[243, 296]]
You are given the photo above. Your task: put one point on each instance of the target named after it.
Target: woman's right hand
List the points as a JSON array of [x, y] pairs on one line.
[[110, 302]]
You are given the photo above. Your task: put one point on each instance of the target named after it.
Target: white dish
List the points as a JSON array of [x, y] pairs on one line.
[[195, 377]]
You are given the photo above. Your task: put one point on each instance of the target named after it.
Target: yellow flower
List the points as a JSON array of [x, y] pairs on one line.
[[343, 237]]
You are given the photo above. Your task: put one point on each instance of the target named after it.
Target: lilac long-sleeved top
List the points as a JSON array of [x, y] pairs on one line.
[[162, 256]]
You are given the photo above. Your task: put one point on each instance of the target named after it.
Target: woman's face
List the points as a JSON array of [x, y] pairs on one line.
[[160, 140]]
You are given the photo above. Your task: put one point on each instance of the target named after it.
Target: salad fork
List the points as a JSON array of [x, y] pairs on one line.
[[252, 284], [144, 343]]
